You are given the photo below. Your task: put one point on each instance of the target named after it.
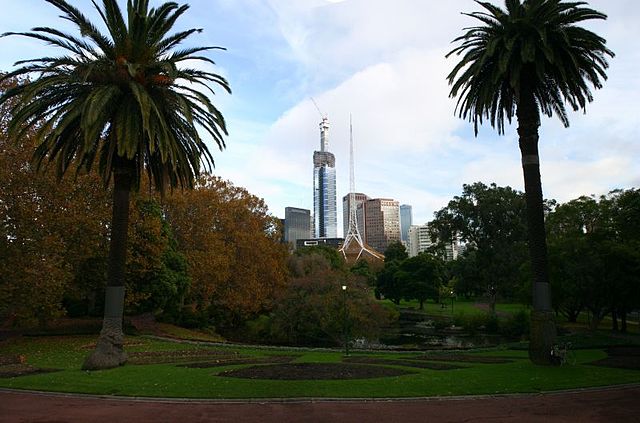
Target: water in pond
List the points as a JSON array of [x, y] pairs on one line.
[[422, 335]]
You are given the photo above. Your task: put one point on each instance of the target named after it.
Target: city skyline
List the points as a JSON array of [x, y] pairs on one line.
[[411, 146]]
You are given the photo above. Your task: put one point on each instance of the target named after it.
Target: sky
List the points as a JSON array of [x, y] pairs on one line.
[[383, 63]]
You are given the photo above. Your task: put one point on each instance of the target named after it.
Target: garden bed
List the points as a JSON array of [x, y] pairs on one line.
[[314, 371]]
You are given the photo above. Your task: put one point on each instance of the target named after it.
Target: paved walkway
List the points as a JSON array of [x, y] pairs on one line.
[[606, 405]]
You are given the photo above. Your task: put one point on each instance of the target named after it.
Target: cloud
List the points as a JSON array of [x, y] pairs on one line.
[[384, 63]]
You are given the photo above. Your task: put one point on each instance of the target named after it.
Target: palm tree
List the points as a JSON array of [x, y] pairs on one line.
[[528, 60], [119, 102]]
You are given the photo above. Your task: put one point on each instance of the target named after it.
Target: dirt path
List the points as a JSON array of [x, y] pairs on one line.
[[607, 405]]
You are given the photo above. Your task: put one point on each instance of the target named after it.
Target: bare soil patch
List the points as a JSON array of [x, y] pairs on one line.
[[314, 371], [274, 359], [621, 357], [464, 358], [405, 363]]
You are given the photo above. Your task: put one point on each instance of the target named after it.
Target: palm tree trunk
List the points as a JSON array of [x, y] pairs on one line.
[[109, 350], [543, 329]]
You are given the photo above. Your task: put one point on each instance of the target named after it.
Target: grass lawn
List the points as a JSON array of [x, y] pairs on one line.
[[460, 306], [170, 380]]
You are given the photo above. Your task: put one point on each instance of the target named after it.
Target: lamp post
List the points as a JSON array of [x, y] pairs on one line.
[[452, 302], [344, 319]]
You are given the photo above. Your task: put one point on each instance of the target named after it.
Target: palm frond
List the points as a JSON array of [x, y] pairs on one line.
[[534, 45]]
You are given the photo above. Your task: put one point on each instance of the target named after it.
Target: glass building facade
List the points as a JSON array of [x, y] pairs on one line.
[[297, 225], [406, 220], [324, 195], [325, 212]]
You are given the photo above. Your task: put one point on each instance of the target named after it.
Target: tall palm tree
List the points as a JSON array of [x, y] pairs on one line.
[[528, 60], [119, 102]]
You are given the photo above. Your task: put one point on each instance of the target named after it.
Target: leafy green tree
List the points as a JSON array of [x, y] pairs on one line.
[[593, 256], [490, 220], [366, 270], [526, 61], [420, 278], [387, 284], [571, 260], [120, 102], [310, 310], [464, 272], [335, 260], [395, 251], [156, 278]]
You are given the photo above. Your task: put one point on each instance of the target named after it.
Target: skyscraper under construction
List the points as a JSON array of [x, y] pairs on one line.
[[324, 187]]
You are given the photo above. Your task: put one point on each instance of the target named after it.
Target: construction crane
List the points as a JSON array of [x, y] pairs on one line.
[[322, 115], [324, 128]]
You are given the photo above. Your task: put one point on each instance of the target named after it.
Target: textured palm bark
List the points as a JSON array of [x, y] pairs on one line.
[[543, 329], [109, 351]]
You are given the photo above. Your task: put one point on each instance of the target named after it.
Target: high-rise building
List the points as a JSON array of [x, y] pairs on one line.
[[324, 188], [359, 198], [406, 220], [419, 239], [297, 225], [381, 222]]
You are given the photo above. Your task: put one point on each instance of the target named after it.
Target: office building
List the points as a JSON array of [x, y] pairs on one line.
[[297, 224], [359, 198], [381, 222], [406, 220], [418, 239]]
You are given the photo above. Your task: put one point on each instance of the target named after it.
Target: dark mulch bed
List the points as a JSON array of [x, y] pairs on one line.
[[622, 350], [406, 363], [179, 356], [274, 359], [464, 358], [621, 357], [314, 371], [15, 370]]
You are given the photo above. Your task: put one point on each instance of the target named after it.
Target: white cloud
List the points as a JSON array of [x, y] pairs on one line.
[[384, 62]]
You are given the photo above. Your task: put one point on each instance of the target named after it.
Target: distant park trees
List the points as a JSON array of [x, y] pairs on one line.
[[314, 310], [410, 278], [594, 246], [526, 61], [490, 221]]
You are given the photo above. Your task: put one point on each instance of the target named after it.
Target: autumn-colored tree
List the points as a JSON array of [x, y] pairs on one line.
[[231, 243], [48, 228]]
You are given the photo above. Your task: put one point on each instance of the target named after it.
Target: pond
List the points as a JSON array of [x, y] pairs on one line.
[[424, 335]]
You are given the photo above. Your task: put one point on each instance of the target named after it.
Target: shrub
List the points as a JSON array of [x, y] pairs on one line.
[[310, 311], [516, 325], [474, 323]]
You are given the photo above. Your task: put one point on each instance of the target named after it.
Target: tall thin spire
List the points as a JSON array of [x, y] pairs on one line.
[[353, 233]]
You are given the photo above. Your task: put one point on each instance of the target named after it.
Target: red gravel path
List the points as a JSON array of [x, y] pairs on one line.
[[607, 405]]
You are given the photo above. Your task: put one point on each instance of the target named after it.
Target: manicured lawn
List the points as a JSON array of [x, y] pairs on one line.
[[171, 380], [460, 306]]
